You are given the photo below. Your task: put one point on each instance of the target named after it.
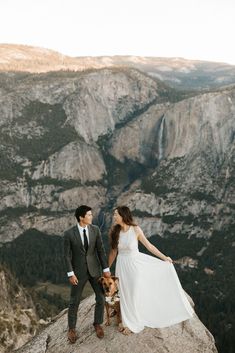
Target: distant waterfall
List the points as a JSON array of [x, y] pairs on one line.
[[160, 141]]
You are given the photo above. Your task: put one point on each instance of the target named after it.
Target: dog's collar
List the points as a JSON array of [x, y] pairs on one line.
[[112, 300]]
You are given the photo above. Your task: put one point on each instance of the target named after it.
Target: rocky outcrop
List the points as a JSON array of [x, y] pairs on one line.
[[18, 319], [57, 205], [189, 336], [139, 140], [105, 99], [184, 196], [75, 161], [201, 122]]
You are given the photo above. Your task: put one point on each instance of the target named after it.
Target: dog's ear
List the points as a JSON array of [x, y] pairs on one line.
[[116, 279], [101, 280]]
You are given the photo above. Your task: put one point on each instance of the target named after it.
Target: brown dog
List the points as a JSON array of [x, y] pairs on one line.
[[112, 301]]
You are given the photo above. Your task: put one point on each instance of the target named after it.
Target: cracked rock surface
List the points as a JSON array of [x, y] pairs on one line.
[[191, 336]]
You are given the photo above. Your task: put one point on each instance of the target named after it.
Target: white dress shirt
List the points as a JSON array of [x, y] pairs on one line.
[[80, 229]]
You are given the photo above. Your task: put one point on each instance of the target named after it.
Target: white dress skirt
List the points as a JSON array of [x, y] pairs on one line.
[[150, 291]]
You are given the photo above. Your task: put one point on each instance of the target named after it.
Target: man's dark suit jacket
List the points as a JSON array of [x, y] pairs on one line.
[[76, 258]]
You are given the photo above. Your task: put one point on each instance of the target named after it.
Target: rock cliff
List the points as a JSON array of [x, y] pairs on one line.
[[18, 319], [97, 132], [50, 141]]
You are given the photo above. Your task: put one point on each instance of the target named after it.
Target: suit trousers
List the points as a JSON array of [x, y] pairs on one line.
[[75, 298]]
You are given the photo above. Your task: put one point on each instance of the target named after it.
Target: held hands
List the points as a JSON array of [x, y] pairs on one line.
[[106, 274], [73, 280]]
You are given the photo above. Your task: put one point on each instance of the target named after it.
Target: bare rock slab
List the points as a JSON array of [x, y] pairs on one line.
[[190, 336]]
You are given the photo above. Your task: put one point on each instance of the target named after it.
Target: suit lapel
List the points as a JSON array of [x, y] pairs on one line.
[[78, 238], [91, 236]]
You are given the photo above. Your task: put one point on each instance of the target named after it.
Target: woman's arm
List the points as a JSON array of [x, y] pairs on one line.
[[112, 256], [142, 238]]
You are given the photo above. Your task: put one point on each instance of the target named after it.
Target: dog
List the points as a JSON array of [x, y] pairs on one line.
[[112, 300]]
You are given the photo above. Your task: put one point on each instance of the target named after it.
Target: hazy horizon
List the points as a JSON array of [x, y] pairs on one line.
[[189, 29]]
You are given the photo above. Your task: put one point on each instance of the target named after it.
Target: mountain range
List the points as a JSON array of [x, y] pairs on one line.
[[177, 72]]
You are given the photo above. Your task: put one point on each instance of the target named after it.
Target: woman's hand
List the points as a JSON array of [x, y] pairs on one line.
[[167, 258]]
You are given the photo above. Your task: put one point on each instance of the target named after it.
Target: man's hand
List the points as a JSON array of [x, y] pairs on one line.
[[106, 274], [73, 280]]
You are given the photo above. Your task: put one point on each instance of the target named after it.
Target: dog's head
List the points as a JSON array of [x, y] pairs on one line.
[[109, 285]]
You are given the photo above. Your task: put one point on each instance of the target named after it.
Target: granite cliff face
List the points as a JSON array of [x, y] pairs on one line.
[[195, 156], [50, 149], [93, 134]]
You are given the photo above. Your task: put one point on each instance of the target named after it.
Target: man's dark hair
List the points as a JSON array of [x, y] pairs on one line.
[[81, 211]]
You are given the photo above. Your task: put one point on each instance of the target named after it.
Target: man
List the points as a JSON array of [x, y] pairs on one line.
[[84, 254]]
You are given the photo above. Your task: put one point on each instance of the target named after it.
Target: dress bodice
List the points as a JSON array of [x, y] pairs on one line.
[[128, 242]]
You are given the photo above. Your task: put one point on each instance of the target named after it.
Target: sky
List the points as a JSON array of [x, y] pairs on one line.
[[193, 29]]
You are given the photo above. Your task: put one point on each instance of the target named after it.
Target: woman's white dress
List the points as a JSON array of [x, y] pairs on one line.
[[150, 291]]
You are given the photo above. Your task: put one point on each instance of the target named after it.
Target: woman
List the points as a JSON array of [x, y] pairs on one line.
[[150, 292]]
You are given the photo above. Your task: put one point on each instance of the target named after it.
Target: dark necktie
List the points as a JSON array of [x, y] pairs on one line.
[[85, 240]]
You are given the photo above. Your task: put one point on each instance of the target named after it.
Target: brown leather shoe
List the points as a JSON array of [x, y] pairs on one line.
[[72, 336], [99, 331]]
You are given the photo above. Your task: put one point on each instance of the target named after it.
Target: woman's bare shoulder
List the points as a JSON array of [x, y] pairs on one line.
[[137, 230]]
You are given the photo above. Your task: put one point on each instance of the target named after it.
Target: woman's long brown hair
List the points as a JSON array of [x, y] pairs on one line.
[[127, 218]]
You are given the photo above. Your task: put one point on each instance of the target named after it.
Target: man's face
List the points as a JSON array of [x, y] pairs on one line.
[[87, 219]]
